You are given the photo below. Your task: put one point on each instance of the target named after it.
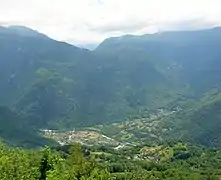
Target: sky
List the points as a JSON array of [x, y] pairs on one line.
[[91, 21]]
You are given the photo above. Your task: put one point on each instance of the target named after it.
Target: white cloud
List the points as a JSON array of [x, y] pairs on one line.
[[88, 21]]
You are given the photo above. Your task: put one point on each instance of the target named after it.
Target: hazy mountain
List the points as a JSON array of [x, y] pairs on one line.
[[52, 84], [190, 55], [21, 56], [90, 46], [56, 83], [21, 31]]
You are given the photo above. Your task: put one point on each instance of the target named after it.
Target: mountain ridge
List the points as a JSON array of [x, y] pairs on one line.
[[53, 84], [157, 34]]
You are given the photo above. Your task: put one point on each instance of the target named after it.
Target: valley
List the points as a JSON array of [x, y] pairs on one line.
[[127, 89], [115, 135], [110, 90], [135, 108]]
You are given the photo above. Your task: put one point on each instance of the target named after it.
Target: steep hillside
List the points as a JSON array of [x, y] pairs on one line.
[[15, 132], [59, 85], [22, 53], [199, 122], [190, 57], [52, 84]]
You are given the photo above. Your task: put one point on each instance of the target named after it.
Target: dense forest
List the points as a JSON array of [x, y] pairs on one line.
[[178, 161]]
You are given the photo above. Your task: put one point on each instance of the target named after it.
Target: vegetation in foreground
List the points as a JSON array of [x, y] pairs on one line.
[[172, 161]]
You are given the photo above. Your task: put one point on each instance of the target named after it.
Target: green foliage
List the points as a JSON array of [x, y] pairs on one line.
[[48, 164], [18, 164], [110, 130]]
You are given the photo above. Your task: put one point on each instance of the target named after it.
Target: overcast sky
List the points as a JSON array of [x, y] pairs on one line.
[[91, 21]]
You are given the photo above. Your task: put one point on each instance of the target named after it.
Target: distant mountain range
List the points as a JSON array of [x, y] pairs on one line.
[[52, 84]]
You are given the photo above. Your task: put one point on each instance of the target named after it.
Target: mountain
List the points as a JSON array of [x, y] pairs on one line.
[[55, 84], [52, 84], [90, 46], [21, 31], [191, 59], [22, 55], [187, 56]]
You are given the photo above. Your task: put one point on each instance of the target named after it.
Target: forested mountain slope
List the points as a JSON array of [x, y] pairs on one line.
[[22, 52], [55, 83], [192, 57], [199, 122], [52, 84], [15, 131]]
